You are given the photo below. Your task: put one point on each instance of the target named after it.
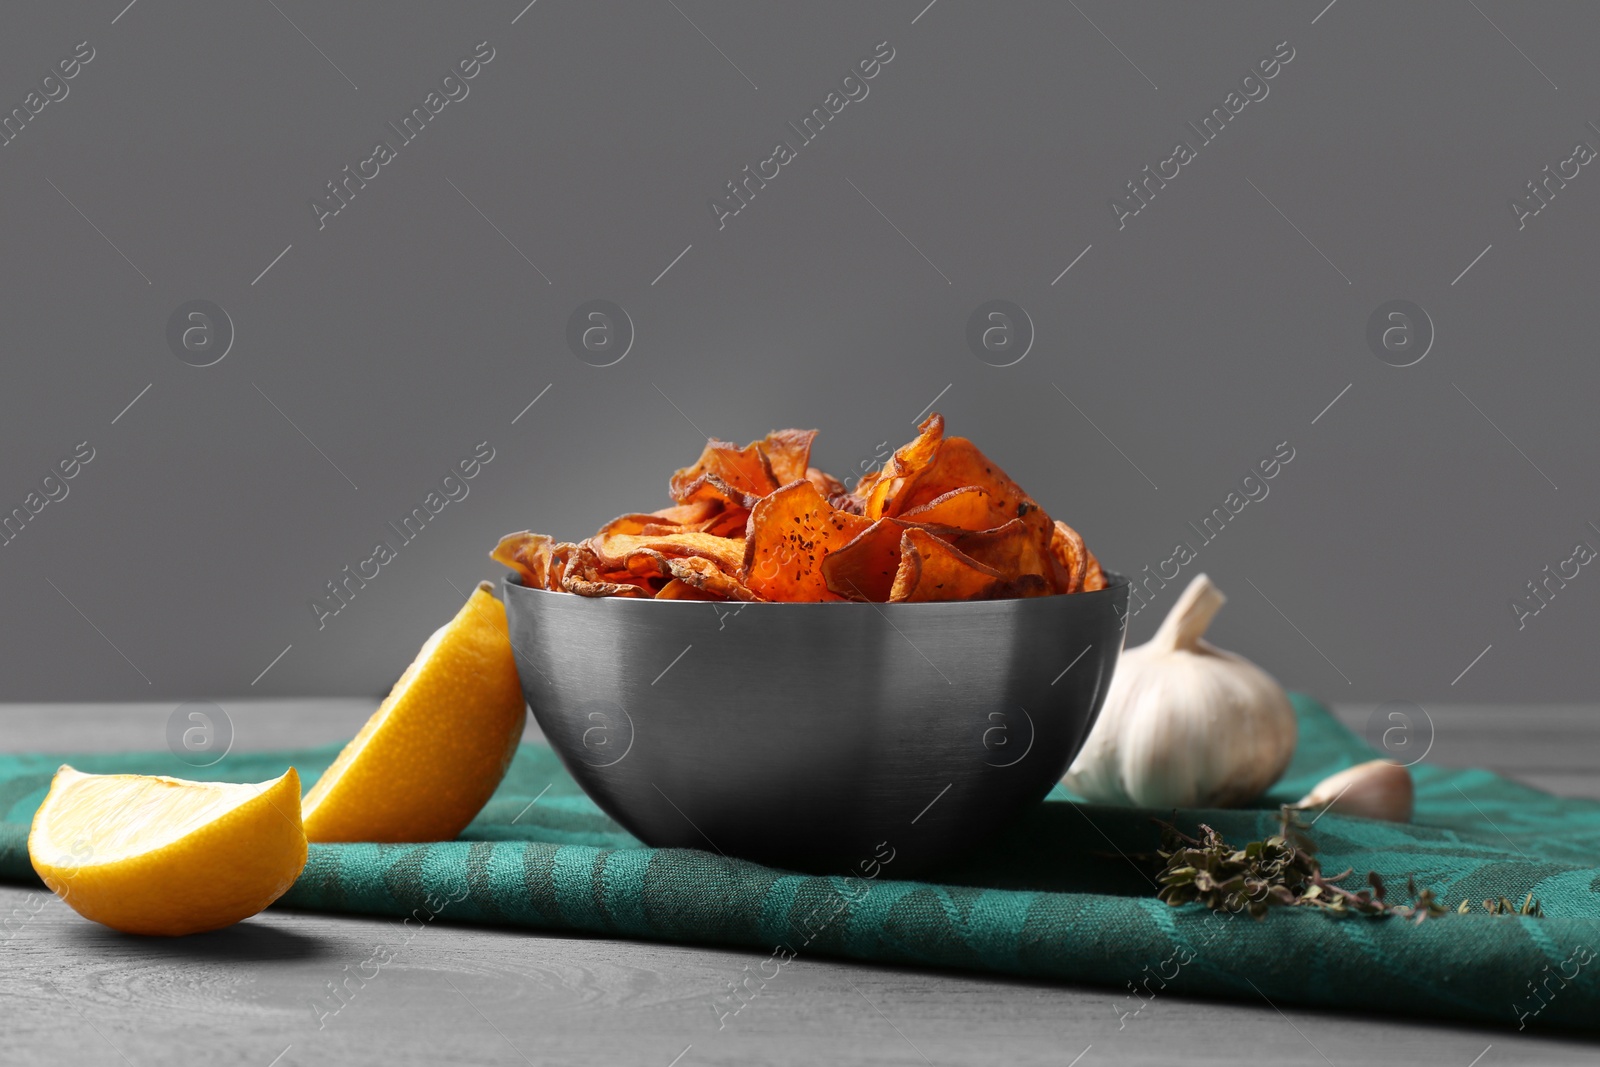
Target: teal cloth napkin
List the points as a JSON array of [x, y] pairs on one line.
[[1052, 897]]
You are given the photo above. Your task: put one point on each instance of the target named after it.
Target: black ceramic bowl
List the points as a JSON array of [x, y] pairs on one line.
[[816, 737]]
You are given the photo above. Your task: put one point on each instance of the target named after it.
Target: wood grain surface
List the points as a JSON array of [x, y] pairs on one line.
[[75, 993]]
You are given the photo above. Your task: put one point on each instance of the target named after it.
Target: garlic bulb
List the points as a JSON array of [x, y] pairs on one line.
[[1186, 724], [1377, 789]]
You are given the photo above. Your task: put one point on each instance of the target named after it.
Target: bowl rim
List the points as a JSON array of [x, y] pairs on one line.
[[1115, 581]]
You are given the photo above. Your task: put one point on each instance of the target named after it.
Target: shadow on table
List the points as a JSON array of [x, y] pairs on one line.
[[252, 941]]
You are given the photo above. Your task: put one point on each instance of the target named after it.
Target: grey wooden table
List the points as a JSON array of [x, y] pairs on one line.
[[72, 992]]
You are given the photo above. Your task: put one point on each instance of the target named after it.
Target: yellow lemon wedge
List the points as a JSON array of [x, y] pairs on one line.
[[156, 855], [435, 750]]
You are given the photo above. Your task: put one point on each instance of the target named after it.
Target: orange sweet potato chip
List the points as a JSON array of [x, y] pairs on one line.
[[880, 492], [526, 553], [645, 563], [678, 589], [614, 549], [971, 507], [560, 556], [788, 454], [959, 463], [830, 487], [637, 524], [867, 567], [790, 533], [933, 569], [864, 568], [706, 576], [711, 488], [539, 561], [688, 514], [730, 523], [1012, 550], [586, 575], [1071, 557], [727, 469], [939, 521], [1093, 577]]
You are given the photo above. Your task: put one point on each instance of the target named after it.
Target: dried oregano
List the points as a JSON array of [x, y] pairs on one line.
[[1283, 871]]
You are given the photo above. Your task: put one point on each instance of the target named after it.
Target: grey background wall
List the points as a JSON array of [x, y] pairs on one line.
[[1183, 345]]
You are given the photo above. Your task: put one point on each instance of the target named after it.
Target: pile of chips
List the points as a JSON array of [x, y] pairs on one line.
[[939, 521]]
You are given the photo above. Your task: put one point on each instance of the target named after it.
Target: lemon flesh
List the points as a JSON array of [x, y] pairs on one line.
[[156, 855]]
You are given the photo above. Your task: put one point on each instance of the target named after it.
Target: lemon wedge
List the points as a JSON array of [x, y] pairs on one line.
[[157, 855], [435, 750]]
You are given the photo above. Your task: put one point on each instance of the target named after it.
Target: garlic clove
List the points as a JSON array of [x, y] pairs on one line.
[[1377, 789]]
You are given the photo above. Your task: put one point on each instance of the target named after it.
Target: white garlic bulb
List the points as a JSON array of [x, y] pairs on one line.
[[1186, 724], [1377, 789]]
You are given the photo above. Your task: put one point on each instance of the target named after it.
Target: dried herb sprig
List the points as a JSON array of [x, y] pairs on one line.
[[1529, 906], [1281, 871]]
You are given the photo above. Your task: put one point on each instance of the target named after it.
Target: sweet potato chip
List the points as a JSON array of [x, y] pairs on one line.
[[725, 523], [526, 553], [880, 492], [585, 575], [788, 454], [829, 486], [1012, 550], [1071, 557], [649, 582], [958, 464], [725, 468], [710, 488], [933, 569], [1093, 577], [867, 567], [939, 521], [688, 514], [864, 568], [637, 524], [560, 556], [708, 577], [730, 523], [971, 508], [789, 534], [678, 589], [748, 469], [845, 501], [614, 550], [644, 563]]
